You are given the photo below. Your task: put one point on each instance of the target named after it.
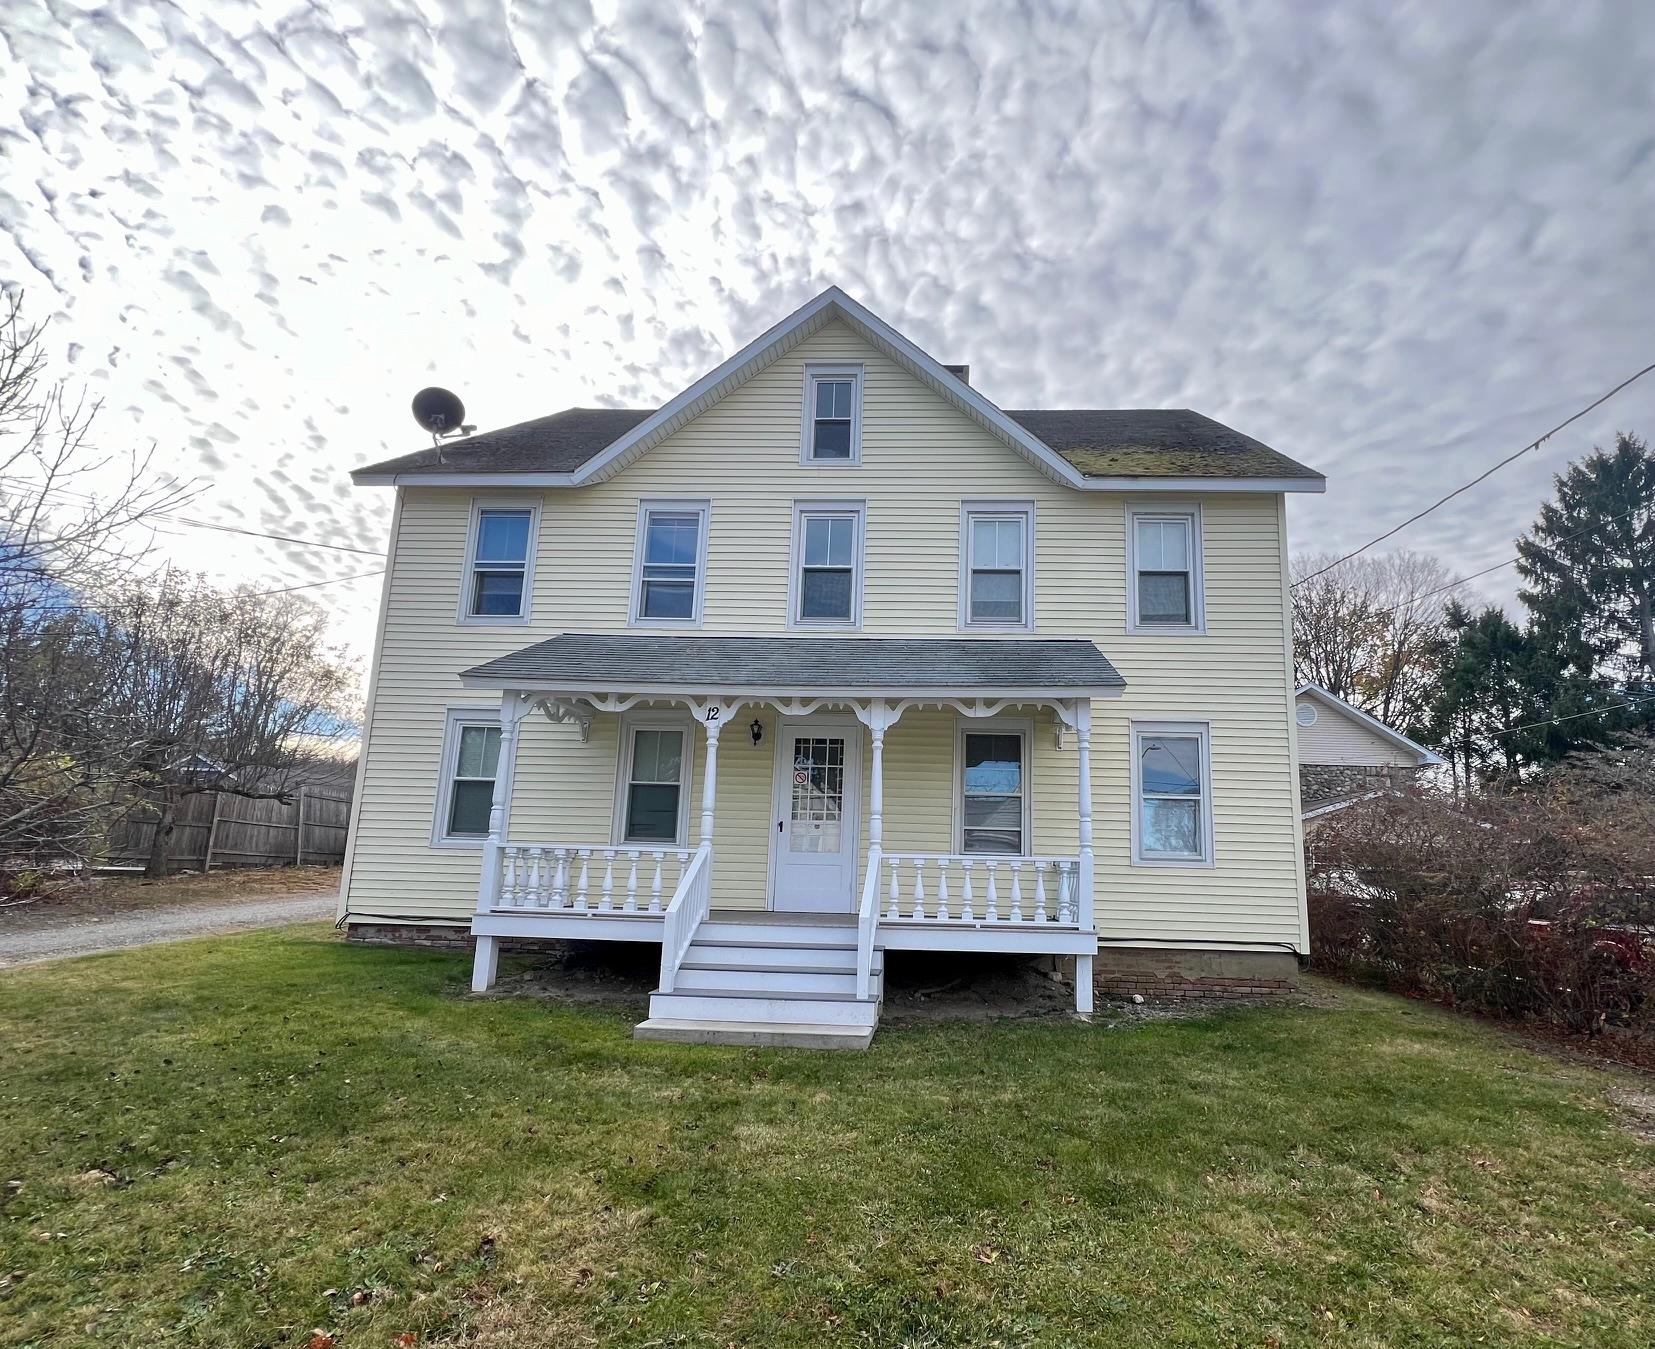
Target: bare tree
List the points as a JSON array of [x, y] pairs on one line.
[[218, 691], [1372, 630], [67, 513]]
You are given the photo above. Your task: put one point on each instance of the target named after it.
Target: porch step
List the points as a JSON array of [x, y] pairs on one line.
[[783, 1034], [758, 930], [778, 981], [763, 1006], [773, 956]]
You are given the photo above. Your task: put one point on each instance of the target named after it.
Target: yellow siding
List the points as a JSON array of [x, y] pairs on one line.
[[920, 458]]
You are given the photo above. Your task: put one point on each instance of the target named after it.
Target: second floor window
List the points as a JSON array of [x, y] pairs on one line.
[[672, 542], [833, 415], [1166, 571], [828, 565], [997, 590], [497, 574]]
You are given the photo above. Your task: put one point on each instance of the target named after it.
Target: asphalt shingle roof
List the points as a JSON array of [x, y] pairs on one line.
[[1100, 442], [621, 661]]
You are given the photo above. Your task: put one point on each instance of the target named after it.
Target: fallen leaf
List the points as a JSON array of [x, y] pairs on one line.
[[405, 1340], [320, 1339]]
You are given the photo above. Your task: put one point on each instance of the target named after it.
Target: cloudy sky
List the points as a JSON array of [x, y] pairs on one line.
[[1395, 241]]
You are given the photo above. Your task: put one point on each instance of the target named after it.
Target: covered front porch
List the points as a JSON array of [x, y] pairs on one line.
[[880, 795]]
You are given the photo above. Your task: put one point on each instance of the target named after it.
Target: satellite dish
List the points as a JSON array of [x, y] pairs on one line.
[[438, 411]]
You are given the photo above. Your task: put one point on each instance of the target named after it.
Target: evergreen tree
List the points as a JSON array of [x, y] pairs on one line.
[[1589, 565]]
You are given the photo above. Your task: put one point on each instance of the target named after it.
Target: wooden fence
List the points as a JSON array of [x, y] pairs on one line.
[[218, 829]]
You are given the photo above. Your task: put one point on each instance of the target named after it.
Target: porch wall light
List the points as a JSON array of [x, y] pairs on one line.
[[756, 730]]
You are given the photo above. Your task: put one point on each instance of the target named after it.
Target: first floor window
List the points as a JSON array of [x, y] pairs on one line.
[[997, 568], [654, 785], [1166, 591], [991, 790], [474, 764], [671, 566], [497, 580], [1171, 775], [829, 548]]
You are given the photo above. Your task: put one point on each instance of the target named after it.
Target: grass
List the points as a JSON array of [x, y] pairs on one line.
[[237, 1141]]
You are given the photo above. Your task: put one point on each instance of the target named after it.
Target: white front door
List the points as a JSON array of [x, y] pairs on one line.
[[816, 808]]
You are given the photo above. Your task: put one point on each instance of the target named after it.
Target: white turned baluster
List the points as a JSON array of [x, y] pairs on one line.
[[967, 909], [1040, 892], [583, 886], [942, 888], [508, 878], [1065, 894], [607, 901], [896, 896], [560, 877], [919, 887], [993, 914], [655, 885], [531, 889], [632, 883], [1017, 892]]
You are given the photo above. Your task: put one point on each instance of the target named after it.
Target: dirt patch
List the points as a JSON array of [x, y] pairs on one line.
[[1638, 1110], [113, 896], [624, 973]]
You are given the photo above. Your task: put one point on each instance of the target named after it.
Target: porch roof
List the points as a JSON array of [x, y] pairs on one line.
[[863, 666]]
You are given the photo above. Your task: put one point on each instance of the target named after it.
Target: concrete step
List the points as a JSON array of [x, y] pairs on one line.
[[760, 1005], [782, 1034], [773, 956], [781, 983]]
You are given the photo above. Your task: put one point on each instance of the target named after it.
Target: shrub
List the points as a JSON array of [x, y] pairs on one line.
[[1538, 902]]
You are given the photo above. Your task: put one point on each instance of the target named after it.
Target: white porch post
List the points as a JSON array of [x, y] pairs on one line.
[[487, 960], [709, 775], [876, 779], [1084, 906]]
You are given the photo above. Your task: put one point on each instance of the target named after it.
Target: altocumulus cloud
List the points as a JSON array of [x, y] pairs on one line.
[[1393, 240]]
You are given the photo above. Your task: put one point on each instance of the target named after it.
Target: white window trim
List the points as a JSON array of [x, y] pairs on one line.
[[1023, 726], [478, 505], [1191, 513], [1202, 730], [818, 370], [649, 504], [455, 718], [631, 724], [858, 510], [970, 509]]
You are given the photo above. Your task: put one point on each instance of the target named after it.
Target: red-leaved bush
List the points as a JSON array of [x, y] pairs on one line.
[[1533, 903]]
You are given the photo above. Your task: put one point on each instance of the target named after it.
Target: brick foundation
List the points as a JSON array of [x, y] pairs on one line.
[[436, 936], [1181, 976]]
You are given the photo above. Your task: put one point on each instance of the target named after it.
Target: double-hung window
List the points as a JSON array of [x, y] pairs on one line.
[[672, 558], [1172, 806], [652, 796], [832, 430], [827, 565], [470, 765], [499, 564], [993, 792], [1165, 581], [997, 581]]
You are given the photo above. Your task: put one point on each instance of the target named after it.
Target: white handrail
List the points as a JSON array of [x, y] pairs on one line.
[[867, 923], [691, 902]]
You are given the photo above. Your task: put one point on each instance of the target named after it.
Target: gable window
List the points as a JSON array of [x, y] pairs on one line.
[[1165, 564], [827, 564], [997, 581], [832, 431], [652, 804], [671, 567], [499, 564], [1172, 806], [993, 810], [470, 766]]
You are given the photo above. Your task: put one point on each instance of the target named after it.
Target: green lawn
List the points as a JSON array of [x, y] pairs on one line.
[[293, 1124]]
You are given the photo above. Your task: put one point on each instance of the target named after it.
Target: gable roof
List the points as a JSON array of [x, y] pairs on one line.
[[1099, 450], [1316, 693]]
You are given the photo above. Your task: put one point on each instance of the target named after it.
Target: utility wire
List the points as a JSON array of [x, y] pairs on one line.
[[1573, 716], [331, 581], [1488, 473]]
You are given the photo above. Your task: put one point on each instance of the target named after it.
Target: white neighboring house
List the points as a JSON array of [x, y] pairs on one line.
[[831, 657], [1346, 756]]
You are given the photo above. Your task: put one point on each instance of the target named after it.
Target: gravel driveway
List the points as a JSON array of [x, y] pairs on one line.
[[25, 943]]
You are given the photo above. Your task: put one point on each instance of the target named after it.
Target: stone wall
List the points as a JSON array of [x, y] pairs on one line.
[[1321, 783]]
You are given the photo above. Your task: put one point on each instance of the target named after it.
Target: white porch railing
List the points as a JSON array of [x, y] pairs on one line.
[[587, 878], [980, 889], [691, 902], [867, 924]]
